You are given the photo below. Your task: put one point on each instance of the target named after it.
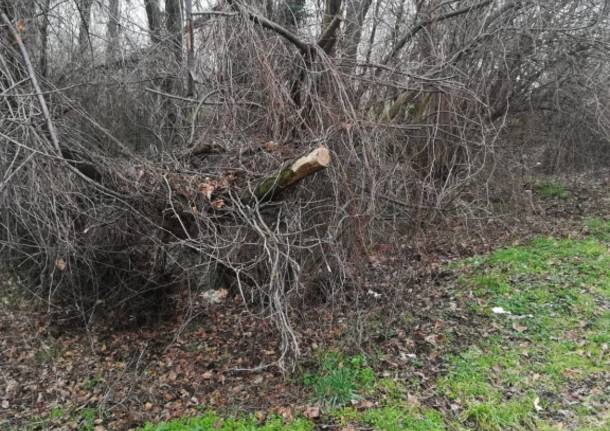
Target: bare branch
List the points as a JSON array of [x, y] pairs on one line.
[[421, 25], [32, 73]]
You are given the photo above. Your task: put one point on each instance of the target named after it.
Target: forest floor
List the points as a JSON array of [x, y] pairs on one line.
[[503, 324]]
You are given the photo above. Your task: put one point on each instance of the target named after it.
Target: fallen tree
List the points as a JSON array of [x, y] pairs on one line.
[[271, 186]]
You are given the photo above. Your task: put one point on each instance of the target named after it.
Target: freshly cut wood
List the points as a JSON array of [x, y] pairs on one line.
[[270, 186]]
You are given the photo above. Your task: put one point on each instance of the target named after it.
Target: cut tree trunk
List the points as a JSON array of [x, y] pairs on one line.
[[269, 187]]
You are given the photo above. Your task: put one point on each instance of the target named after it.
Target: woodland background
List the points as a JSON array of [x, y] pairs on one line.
[[136, 134]]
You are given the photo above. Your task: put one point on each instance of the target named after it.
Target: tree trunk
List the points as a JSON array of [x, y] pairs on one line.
[[84, 10], [190, 49], [153, 15], [173, 43], [331, 10], [43, 62], [269, 187], [113, 48], [369, 49], [355, 13], [173, 25]]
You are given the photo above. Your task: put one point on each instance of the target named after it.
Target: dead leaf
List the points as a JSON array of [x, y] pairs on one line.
[[148, 407], [537, 404], [20, 25], [207, 189], [366, 404], [519, 328], [285, 413], [218, 203], [5, 404], [207, 375], [432, 339], [215, 296], [412, 400], [312, 412], [270, 146], [60, 264]]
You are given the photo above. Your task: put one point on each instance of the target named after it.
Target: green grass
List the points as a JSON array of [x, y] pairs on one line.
[[57, 413], [523, 365], [556, 336], [393, 418], [551, 190], [340, 379], [211, 421], [82, 419], [599, 228], [91, 383]]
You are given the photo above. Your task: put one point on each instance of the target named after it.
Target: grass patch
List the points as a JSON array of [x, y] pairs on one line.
[[211, 421], [551, 190], [599, 228], [392, 418], [398, 419], [554, 335], [340, 379], [63, 417]]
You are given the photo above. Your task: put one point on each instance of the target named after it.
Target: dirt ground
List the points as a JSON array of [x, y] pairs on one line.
[[222, 357]]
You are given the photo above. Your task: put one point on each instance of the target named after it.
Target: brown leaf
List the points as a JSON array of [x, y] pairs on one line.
[[148, 407], [207, 189], [519, 328], [312, 412], [60, 264], [413, 400], [537, 404], [218, 203], [285, 413], [260, 416], [270, 146], [20, 25], [432, 339]]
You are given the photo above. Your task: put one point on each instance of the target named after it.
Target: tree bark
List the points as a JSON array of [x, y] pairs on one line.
[[153, 15], [43, 62], [112, 48], [190, 49], [355, 12], [332, 9], [84, 10], [173, 24]]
